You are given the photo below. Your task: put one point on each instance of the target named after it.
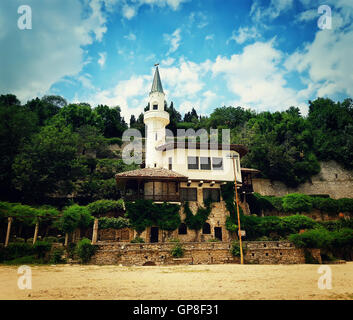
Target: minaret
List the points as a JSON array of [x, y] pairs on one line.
[[155, 119]]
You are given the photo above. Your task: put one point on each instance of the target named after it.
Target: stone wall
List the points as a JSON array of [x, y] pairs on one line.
[[332, 180], [259, 252]]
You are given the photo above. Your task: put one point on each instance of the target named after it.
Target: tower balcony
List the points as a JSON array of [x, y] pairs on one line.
[[158, 115]]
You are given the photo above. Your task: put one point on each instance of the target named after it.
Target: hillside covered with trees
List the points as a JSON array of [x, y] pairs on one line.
[[52, 150]]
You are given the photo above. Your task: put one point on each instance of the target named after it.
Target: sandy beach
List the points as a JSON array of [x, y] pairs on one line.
[[178, 282]]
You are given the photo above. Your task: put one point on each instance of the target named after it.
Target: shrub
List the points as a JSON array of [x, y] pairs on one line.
[[102, 207], [25, 260], [113, 223], [56, 256], [235, 249], [40, 248], [329, 205], [177, 250], [294, 223], [316, 238], [137, 240], [85, 250], [297, 202], [71, 249], [345, 205], [18, 240], [17, 250]]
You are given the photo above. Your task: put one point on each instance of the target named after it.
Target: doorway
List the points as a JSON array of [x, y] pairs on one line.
[[218, 233], [154, 234]]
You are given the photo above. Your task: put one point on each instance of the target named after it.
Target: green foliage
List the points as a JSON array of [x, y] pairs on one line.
[[296, 202], [295, 223], [73, 217], [196, 221], [309, 259], [113, 223], [102, 207], [56, 256], [316, 238], [144, 213], [177, 251], [231, 224], [345, 205], [85, 250], [15, 250], [50, 239], [235, 249], [40, 248]]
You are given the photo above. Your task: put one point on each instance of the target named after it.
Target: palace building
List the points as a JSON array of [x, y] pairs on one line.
[[184, 170]]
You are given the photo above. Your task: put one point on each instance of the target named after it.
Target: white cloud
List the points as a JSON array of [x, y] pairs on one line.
[[36, 59], [256, 77], [328, 61], [168, 62], [173, 40], [244, 34], [307, 15], [130, 7], [199, 18], [130, 36], [209, 37], [270, 12], [102, 58]]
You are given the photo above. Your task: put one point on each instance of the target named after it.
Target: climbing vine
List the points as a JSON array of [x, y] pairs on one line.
[[196, 221], [145, 213]]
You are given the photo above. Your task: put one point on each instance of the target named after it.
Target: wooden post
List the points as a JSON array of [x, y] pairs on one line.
[[9, 221], [95, 231], [237, 203], [35, 233]]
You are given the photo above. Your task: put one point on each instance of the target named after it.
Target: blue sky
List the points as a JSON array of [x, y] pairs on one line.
[[262, 54]]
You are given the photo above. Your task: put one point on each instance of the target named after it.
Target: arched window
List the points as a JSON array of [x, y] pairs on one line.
[[183, 229], [206, 229]]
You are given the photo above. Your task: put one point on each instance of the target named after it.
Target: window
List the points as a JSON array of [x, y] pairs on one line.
[[188, 194], [213, 194], [206, 228], [182, 229], [170, 164], [217, 163], [155, 107], [205, 163], [193, 163]]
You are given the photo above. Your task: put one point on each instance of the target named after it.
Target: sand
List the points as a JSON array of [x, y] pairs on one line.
[[178, 282]]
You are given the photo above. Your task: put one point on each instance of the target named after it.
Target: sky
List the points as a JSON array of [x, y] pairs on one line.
[[262, 54]]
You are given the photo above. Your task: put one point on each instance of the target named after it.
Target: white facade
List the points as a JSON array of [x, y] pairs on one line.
[[207, 162]]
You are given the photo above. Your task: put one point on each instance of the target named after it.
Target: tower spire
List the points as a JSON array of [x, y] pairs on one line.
[[157, 83]]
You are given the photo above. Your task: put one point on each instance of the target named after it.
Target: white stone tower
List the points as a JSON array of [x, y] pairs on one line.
[[155, 119]]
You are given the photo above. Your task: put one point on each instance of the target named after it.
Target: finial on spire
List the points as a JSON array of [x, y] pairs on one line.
[[156, 64], [157, 83]]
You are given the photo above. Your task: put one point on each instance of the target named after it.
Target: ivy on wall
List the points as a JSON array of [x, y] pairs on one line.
[[145, 213], [196, 221], [113, 223]]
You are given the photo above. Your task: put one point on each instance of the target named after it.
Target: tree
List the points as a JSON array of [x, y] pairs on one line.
[[175, 118], [17, 125], [113, 124], [47, 164]]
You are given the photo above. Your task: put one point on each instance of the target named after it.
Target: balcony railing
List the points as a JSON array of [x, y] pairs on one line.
[[155, 197]]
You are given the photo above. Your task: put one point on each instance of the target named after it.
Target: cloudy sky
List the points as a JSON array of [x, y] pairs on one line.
[[262, 54]]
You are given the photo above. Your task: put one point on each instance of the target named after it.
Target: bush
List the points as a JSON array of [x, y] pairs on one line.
[[137, 240], [113, 223], [40, 248], [102, 207], [177, 250], [71, 248], [85, 250], [16, 250], [25, 260], [235, 249], [317, 238], [294, 223], [18, 240], [345, 205], [56, 256], [329, 205], [297, 202]]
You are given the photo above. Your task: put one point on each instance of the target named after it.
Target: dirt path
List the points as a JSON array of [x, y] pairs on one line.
[[178, 282]]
